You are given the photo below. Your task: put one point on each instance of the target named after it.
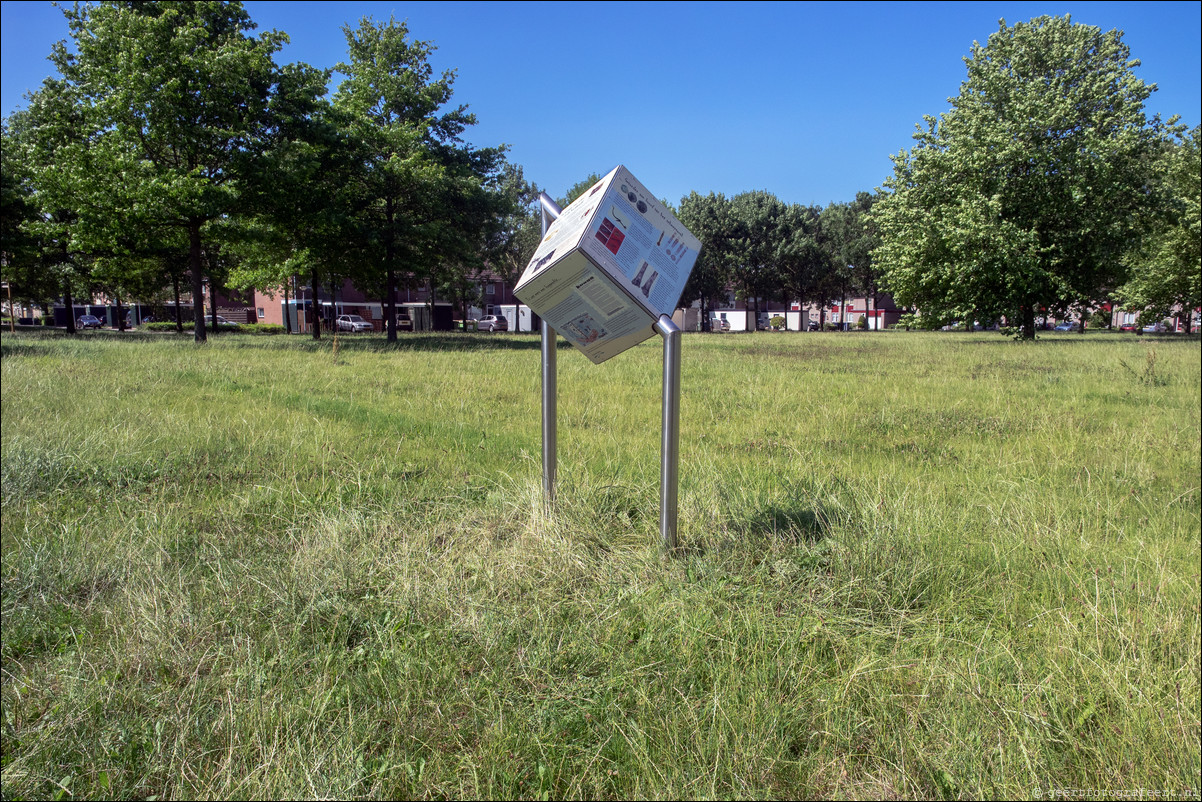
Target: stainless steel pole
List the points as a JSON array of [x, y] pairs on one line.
[[669, 469], [550, 212]]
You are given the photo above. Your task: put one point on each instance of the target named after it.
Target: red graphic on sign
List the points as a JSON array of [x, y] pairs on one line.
[[610, 235]]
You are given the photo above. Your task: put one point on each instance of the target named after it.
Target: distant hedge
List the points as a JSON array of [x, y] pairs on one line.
[[245, 328]]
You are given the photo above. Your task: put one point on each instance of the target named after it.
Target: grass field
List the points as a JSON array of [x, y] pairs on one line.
[[916, 565]]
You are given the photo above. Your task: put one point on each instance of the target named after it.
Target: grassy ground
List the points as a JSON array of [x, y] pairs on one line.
[[919, 565]]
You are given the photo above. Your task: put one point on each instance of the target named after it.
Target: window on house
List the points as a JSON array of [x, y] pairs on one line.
[[262, 312], [490, 289]]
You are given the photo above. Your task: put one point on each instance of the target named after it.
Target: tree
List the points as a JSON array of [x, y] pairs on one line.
[[805, 259], [578, 189], [758, 224], [44, 146], [519, 226], [176, 97], [1025, 193], [850, 238], [422, 196], [708, 218], [1166, 266], [301, 201]]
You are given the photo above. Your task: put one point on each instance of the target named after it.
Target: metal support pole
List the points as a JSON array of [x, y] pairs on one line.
[[550, 212], [669, 469]]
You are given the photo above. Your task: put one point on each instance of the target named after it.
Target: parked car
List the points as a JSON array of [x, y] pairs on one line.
[[1128, 327], [353, 323], [1065, 325], [814, 326], [1155, 328], [87, 322], [403, 321], [493, 323]]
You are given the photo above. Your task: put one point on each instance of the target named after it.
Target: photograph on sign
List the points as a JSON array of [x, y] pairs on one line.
[[611, 264]]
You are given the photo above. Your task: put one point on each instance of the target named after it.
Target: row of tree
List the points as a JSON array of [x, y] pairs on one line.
[[1044, 190], [173, 150]]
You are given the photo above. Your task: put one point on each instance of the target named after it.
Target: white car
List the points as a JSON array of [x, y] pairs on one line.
[[353, 323]]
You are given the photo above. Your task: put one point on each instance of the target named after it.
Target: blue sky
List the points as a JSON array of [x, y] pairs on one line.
[[806, 100]]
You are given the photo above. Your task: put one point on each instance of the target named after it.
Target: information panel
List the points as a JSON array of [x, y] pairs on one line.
[[609, 266]]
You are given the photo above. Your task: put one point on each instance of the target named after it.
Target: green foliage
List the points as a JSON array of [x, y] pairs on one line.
[[708, 218], [1166, 266], [261, 328], [576, 190], [422, 203], [1025, 193], [175, 99], [520, 226], [777, 322]]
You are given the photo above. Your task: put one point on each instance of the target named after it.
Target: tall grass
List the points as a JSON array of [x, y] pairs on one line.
[[921, 565]]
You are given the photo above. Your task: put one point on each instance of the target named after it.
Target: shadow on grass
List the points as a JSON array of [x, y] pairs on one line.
[[792, 523]]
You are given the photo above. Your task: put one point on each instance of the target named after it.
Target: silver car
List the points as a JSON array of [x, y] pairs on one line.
[[493, 323], [353, 323]]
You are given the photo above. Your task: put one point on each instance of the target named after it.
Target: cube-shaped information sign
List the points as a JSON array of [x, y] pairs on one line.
[[609, 266]]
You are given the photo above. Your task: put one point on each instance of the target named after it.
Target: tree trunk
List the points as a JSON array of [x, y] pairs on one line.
[[1028, 315], [68, 302], [179, 319], [198, 289], [316, 321], [390, 303], [287, 317], [120, 317]]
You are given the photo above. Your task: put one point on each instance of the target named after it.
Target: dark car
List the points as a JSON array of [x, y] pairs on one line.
[[87, 322]]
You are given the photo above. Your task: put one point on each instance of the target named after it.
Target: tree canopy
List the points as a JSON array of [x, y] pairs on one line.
[[1028, 191]]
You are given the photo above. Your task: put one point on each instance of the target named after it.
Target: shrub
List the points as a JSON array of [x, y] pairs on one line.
[[777, 322], [262, 328], [160, 326]]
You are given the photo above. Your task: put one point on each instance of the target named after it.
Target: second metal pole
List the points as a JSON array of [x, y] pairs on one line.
[[550, 401], [669, 468]]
